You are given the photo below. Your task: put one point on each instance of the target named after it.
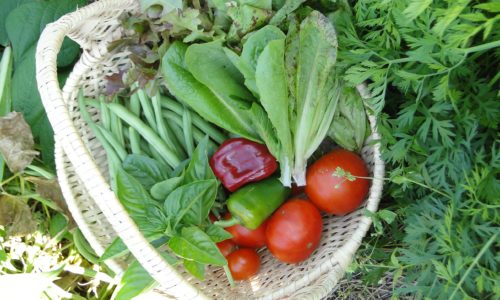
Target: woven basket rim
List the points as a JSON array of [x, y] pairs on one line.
[[70, 144]]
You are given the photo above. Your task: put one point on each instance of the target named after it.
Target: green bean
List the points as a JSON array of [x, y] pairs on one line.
[[163, 130], [114, 161], [105, 118], [198, 135], [116, 126], [147, 133], [147, 108], [187, 127], [198, 121], [120, 151], [135, 139]]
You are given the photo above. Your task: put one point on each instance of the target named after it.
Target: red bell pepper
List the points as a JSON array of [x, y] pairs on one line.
[[239, 161]]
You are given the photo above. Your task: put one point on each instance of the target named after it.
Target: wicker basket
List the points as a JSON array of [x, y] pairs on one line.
[[82, 171]]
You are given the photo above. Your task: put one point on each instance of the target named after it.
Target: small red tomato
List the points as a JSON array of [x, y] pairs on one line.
[[333, 193], [243, 263], [294, 231], [243, 236], [226, 247]]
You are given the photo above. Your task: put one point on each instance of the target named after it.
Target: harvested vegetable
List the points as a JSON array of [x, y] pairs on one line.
[[337, 183], [251, 205], [316, 88], [243, 263], [349, 126], [239, 161], [245, 237], [294, 231]]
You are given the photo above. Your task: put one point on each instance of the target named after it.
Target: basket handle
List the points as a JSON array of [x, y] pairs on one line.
[[67, 135]]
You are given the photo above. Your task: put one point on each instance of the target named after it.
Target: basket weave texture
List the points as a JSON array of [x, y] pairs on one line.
[[82, 172]]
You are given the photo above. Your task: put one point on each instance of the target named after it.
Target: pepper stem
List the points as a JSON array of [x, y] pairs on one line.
[[227, 223]]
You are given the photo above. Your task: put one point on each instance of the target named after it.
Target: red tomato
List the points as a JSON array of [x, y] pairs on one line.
[[243, 236], [226, 247], [333, 194], [294, 230], [243, 263]]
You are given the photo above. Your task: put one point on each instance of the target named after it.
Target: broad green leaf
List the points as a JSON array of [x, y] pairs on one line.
[[195, 268], [118, 248], [289, 7], [162, 189], [198, 168], [191, 203], [146, 170], [272, 85], [217, 233], [246, 18], [252, 49], [132, 194], [194, 244], [6, 6], [182, 84], [25, 23], [265, 129], [317, 88], [134, 281], [223, 79], [348, 128]]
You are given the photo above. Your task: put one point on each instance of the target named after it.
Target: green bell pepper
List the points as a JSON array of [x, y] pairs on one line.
[[252, 204]]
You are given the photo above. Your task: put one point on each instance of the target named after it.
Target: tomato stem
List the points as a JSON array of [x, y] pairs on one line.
[[227, 223]]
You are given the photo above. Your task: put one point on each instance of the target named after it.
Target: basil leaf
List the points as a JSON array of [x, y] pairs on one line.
[[217, 109], [191, 203], [198, 168], [217, 233], [194, 244], [131, 193], [162, 189], [118, 248], [195, 268], [135, 280], [146, 170]]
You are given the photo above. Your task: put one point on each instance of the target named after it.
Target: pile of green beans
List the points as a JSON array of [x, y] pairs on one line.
[[159, 127]]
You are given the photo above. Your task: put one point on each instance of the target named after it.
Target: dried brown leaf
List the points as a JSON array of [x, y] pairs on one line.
[[16, 142], [16, 216]]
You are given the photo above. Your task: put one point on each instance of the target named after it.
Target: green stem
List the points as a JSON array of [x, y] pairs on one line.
[[482, 47], [147, 133], [117, 127], [175, 123], [473, 264], [227, 223]]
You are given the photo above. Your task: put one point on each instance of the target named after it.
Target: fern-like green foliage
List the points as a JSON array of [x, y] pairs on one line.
[[432, 68]]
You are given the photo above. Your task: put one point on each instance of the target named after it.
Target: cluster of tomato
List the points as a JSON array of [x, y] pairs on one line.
[[337, 184]]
